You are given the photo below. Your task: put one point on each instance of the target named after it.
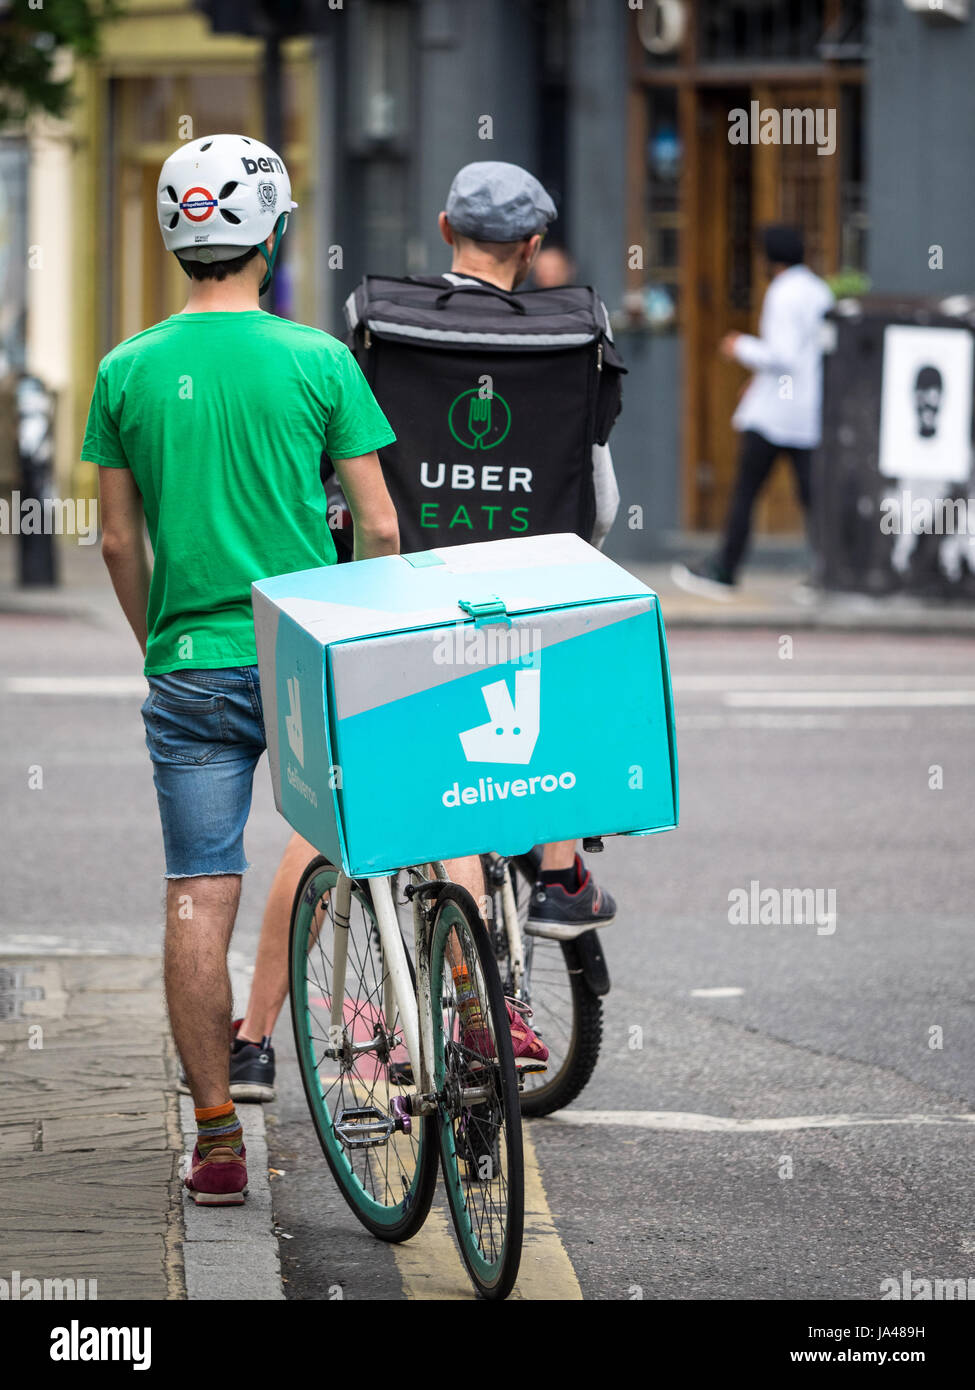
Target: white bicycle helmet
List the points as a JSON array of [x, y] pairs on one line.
[[220, 195]]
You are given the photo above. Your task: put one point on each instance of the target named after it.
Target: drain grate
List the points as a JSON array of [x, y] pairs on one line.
[[14, 993]]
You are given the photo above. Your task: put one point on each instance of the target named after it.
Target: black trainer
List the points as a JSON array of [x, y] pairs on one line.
[[251, 1071], [555, 912]]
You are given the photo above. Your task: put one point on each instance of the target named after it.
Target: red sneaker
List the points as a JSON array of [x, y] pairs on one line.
[[220, 1179], [525, 1043]]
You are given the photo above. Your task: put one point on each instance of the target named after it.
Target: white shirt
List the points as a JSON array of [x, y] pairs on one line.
[[783, 401]]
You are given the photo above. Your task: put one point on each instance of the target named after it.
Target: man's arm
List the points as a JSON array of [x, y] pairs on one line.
[[778, 347], [607, 493], [124, 547], [375, 528]]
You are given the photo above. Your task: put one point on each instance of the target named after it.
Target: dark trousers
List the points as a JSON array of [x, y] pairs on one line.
[[755, 460]]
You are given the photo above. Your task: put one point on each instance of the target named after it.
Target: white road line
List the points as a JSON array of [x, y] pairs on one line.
[[845, 699], [681, 1120], [75, 685], [852, 680], [718, 992]]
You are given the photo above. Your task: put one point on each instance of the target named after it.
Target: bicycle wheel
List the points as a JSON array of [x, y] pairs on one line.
[[387, 1177], [567, 1015], [477, 1089]]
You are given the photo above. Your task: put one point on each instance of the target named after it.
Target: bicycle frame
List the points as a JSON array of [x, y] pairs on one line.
[[415, 1008], [512, 926]]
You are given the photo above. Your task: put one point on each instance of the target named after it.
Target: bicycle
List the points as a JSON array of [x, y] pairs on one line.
[[368, 1024]]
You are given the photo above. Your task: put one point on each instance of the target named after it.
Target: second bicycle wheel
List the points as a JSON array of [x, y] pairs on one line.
[[347, 1057], [477, 1088]]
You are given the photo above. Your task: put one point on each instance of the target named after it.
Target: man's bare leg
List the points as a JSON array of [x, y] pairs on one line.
[[197, 981], [269, 987]]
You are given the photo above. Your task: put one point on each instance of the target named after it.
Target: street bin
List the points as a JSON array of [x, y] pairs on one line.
[[893, 497]]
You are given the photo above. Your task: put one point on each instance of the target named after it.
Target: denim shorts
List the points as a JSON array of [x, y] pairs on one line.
[[205, 734]]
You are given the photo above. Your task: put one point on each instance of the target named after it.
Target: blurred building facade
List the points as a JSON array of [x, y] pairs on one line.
[[622, 109]]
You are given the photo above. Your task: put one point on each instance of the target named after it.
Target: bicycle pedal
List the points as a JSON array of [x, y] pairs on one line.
[[529, 1068], [363, 1128]]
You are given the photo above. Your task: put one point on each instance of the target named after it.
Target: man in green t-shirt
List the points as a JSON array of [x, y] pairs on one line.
[[207, 430]]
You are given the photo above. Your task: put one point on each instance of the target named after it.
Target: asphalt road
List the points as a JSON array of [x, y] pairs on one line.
[[808, 772]]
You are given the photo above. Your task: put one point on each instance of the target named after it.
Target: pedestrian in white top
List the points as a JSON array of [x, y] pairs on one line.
[[780, 409]]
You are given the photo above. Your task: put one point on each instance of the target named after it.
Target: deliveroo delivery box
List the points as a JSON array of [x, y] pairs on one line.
[[479, 697]]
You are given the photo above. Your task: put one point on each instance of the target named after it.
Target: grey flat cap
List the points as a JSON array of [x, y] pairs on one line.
[[492, 201]]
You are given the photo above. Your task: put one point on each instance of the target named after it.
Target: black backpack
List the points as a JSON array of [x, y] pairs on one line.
[[496, 398]]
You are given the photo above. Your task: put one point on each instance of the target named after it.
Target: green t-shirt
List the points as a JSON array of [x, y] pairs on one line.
[[222, 418]]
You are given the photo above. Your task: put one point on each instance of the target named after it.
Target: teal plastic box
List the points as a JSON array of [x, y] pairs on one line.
[[480, 697]]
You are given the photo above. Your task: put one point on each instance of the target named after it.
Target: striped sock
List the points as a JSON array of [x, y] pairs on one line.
[[218, 1125]]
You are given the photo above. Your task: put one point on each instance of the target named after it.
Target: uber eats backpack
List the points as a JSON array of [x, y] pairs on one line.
[[496, 398]]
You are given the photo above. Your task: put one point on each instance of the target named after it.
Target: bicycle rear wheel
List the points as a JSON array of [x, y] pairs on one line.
[[387, 1177], [567, 1014], [477, 1089]]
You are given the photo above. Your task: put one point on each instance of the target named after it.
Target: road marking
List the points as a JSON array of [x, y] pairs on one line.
[[790, 722], [846, 699], [848, 680], [718, 992], [75, 685], [719, 1124], [431, 1268]]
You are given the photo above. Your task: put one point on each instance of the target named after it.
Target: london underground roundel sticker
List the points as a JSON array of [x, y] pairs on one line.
[[198, 204]]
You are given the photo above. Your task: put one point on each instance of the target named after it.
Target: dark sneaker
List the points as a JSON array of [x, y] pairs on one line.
[[561, 915], [707, 579], [220, 1179], [251, 1072]]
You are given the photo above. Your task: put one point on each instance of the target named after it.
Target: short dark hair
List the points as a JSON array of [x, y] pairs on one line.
[[783, 245], [219, 270]]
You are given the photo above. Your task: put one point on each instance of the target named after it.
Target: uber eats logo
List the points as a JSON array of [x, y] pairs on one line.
[[479, 420]]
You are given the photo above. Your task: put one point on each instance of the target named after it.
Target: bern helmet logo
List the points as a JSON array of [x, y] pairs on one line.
[[268, 195], [197, 204]]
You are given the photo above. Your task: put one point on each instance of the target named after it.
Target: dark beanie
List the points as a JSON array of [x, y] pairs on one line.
[[783, 245]]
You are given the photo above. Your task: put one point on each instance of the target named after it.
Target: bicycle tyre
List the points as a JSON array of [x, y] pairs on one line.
[[393, 1206], [480, 1145], [568, 1016]]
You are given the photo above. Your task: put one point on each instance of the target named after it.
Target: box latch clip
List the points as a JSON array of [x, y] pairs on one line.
[[485, 611]]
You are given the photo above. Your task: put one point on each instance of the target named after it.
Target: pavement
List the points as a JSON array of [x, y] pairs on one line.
[[94, 1142], [769, 595]]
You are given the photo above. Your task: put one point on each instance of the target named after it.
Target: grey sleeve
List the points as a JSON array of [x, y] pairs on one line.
[[607, 493]]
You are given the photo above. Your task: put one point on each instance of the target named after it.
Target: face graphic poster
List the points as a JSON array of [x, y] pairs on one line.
[[926, 404]]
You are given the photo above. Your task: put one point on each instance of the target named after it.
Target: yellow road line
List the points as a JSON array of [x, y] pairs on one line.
[[431, 1268]]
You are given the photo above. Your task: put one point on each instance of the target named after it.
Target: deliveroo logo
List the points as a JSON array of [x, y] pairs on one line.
[[292, 721], [511, 732], [477, 421]]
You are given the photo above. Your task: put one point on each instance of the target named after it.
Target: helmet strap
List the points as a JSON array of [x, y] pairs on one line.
[[271, 257]]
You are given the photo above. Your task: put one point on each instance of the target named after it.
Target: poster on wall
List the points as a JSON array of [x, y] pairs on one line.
[[926, 404]]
